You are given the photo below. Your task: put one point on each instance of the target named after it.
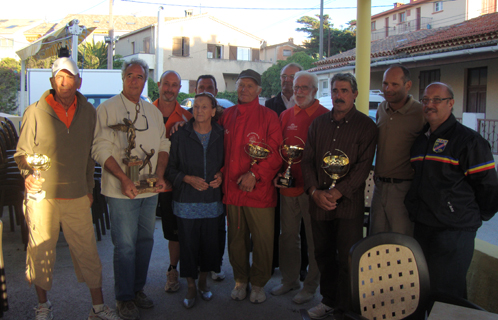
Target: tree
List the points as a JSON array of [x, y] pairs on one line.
[[9, 84], [335, 40], [270, 79], [93, 55]]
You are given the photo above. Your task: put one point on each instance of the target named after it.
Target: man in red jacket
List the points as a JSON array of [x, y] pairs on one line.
[[248, 189]]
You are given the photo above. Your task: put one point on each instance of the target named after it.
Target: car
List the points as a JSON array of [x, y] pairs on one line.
[[375, 98], [189, 103], [97, 99]]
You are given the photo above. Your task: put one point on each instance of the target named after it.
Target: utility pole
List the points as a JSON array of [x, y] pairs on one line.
[[320, 48], [110, 48]]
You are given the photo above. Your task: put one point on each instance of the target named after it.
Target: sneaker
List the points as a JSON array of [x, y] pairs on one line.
[[127, 310], [303, 296], [239, 292], [106, 314], [44, 311], [320, 311], [218, 276], [258, 294], [283, 288], [142, 301], [172, 284]]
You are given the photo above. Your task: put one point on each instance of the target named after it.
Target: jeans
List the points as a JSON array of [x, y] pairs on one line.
[[132, 232]]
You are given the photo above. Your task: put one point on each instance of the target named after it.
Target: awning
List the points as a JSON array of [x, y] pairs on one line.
[[50, 44]]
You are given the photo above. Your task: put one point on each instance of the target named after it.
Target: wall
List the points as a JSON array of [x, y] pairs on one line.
[[124, 45]]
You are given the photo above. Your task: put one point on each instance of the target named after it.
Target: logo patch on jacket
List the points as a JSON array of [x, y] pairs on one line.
[[292, 126], [439, 145], [253, 137]]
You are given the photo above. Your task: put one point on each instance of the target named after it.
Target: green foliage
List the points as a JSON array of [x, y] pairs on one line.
[[232, 96], [182, 96], [9, 84], [270, 79], [92, 55], [335, 40], [117, 61], [152, 89]]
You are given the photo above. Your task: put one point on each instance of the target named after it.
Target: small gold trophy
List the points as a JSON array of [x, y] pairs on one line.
[[335, 166], [133, 164], [37, 162], [291, 154], [257, 151]]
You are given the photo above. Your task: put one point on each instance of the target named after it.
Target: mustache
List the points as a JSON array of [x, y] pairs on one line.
[[339, 101]]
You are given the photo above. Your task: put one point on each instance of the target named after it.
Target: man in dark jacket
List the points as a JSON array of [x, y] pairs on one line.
[[455, 188]]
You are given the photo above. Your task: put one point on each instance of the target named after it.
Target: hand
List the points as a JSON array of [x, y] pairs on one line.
[[176, 126], [128, 188], [218, 178], [275, 181], [246, 182], [196, 182], [324, 199], [90, 197], [161, 185], [33, 185]]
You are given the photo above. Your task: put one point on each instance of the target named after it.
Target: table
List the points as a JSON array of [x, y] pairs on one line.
[[442, 311]]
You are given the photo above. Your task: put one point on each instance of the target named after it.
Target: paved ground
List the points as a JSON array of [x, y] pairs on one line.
[[72, 300]]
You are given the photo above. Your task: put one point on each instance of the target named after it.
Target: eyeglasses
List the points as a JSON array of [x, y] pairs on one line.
[[303, 88], [285, 77], [426, 101]]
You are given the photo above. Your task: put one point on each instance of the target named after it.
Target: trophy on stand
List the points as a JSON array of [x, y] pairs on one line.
[[133, 163], [257, 151], [291, 154], [335, 165], [37, 162]]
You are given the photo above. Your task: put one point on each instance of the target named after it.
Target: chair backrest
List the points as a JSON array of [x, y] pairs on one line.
[[369, 189], [389, 277], [11, 142], [12, 128]]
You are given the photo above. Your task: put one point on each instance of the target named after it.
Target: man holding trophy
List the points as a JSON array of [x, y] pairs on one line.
[[53, 154], [294, 202], [340, 143], [252, 138], [132, 201]]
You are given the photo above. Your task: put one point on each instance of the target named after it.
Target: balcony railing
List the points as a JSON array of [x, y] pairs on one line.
[[489, 130], [403, 27]]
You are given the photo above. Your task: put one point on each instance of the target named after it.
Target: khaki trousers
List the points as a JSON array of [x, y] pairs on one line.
[[246, 224], [292, 209], [44, 220]]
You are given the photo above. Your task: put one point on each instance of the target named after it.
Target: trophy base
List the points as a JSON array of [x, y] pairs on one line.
[[145, 187], [287, 182], [39, 196]]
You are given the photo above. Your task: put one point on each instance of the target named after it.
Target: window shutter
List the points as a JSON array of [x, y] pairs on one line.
[[186, 47], [177, 46], [255, 54], [232, 53]]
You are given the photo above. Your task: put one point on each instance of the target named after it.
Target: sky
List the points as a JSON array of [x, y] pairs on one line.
[[259, 17]]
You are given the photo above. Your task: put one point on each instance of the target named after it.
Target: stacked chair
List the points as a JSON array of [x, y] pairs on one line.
[[100, 212]]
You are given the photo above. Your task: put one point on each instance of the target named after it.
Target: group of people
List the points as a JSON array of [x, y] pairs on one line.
[[434, 180]]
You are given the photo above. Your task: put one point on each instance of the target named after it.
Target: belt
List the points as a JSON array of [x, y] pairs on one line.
[[391, 180]]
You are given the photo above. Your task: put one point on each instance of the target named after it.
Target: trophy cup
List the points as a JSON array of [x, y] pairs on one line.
[[291, 154], [134, 164], [257, 151], [335, 166], [37, 162]]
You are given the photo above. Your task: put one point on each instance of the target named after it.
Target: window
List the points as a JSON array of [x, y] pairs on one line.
[[133, 47], [408, 13], [373, 26], [287, 53], [4, 42], [181, 46], [147, 45], [402, 17], [477, 80], [214, 51], [394, 16], [438, 6], [426, 78], [243, 54]]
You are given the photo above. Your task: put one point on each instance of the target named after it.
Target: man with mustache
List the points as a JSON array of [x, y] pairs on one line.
[[454, 189], [399, 120], [337, 213], [169, 87], [294, 201]]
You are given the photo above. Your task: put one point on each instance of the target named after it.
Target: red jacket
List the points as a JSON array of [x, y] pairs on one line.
[[249, 123]]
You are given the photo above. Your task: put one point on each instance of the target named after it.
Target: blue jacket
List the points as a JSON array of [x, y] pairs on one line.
[[187, 158]]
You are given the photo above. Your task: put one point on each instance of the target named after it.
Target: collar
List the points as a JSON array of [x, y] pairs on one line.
[[404, 109], [310, 110], [245, 106], [347, 117], [445, 126], [288, 102]]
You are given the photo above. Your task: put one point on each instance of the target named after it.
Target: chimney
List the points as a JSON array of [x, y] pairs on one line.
[[398, 4], [189, 12], [291, 40]]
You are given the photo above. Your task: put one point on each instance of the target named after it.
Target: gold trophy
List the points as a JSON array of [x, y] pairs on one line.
[[257, 151], [37, 162], [335, 166], [133, 164], [291, 154]]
